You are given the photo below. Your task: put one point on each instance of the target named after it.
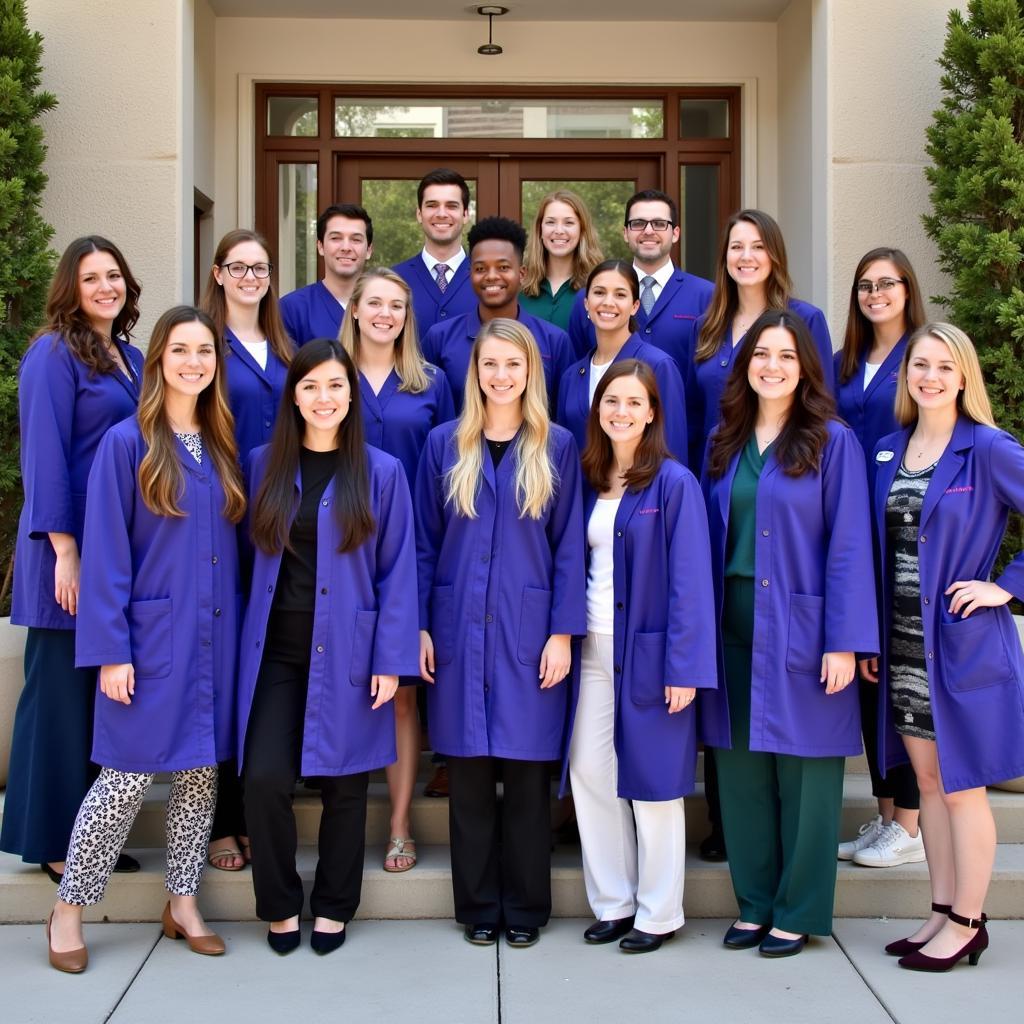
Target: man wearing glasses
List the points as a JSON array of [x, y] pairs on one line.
[[670, 299], [344, 237]]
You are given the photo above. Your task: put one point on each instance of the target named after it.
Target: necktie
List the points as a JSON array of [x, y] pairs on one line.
[[440, 269], [647, 293]]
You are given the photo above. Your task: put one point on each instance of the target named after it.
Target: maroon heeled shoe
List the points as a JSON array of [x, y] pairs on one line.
[[975, 946], [901, 947]]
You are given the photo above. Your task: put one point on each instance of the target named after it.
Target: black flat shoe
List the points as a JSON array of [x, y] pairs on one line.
[[773, 946], [326, 942], [126, 865], [481, 934], [607, 931], [519, 938], [744, 938], [713, 847], [643, 942], [283, 943], [54, 876]]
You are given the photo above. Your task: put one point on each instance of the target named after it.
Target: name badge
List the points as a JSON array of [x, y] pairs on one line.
[[884, 456]]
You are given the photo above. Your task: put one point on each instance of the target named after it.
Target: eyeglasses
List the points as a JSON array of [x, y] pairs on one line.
[[639, 224], [883, 284], [260, 271]]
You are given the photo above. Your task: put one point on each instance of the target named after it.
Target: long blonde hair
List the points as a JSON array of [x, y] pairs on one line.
[[161, 478], [536, 478], [409, 362], [585, 256], [972, 400]]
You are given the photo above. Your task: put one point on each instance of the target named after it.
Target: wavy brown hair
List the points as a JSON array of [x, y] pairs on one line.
[[598, 459], [274, 504], [215, 304], [860, 332], [161, 478], [63, 306], [585, 256], [801, 441], [725, 300]]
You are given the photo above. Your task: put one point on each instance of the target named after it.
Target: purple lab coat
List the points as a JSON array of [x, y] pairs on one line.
[[311, 312], [669, 324], [161, 593], [664, 632], [64, 414], [253, 393], [492, 590], [975, 665], [428, 302], [364, 624], [814, 591], [705, 381], [574, 394], [448, 345]]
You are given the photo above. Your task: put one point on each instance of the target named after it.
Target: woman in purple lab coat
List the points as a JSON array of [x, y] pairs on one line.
[[158, 617], [241, 300], [77, 379], [791, 553], [885, 309], [649, 646], [403, 398], [952, 669], [500, 539], [329, 628]]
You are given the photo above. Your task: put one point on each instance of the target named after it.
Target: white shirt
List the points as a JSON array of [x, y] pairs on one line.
[[452, 263], [600, 575], [258, 350], [661, 276], [870, 369], [596, 373]]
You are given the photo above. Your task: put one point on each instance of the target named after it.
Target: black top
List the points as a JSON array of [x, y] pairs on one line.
[[498, 449]]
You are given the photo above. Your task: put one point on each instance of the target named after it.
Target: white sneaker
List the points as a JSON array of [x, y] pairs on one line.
[[892, 847], [866, 835]]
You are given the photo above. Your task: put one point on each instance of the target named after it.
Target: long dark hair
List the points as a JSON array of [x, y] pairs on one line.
[[801, 441], [274, 504], [624, 269], [63, 308], [860, 332], [598, 459]]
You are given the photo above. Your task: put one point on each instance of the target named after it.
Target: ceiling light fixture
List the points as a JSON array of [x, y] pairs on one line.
[[490, 12]]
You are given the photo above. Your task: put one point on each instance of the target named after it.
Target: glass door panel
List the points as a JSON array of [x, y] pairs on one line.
[[295, 213]]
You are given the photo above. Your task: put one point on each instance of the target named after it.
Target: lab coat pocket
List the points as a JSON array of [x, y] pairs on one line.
[[534, 624], [151, 630], [806, 634], [360, 665], [647, 672], [442, 624], [974, 652]]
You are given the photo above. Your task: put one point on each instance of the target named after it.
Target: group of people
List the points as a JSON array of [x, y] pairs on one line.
[[600, 511]]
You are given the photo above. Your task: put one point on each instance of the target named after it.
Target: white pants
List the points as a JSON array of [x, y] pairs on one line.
[[634, 852]]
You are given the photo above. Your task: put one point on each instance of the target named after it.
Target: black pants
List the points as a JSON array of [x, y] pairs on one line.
[[900, 782], [501, 853], [273, 758], [229, 819]]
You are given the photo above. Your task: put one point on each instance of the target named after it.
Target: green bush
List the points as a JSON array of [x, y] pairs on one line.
[[26, 260]]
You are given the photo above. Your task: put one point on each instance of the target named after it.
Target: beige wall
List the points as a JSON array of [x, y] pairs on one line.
[[204, 113], [115, 138]]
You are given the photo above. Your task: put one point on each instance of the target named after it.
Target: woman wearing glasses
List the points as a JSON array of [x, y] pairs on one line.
[[241, 301], [885, 309]]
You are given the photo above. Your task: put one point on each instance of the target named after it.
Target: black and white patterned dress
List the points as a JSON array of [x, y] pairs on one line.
[[908, 673], [194, 443]]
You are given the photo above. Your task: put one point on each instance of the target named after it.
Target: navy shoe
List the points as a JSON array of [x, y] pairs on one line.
[[481, 934], [323, 943], [283, 943], [607, 931], [643, 942], [744, 938], [773, 946], [519, 937]]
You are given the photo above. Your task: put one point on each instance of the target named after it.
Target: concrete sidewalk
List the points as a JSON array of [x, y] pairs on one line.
[[422, 972]]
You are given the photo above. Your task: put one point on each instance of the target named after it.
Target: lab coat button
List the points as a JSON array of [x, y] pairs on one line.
[[647, 330], [764, 583], [444, 313], [325, 503], [724, 362], [923, 538], [270, 588], [618, 533], [323, 590], [214, 559], [927, 600], [266, 423], [764, 533], [319, 648], [618, 668], [216, 613], [931, 655], [490, 618], [619, 605], [583, 371]]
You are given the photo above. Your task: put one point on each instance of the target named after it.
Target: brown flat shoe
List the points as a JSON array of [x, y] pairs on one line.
[[208, 945], [74, 961], [438, 784]]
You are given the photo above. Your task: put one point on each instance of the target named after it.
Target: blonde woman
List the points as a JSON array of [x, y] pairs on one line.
[[561, 251], [952, 673], [502, 591], [403, 399]]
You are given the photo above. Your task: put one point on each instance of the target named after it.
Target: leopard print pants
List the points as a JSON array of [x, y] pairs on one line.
[[105, 819]]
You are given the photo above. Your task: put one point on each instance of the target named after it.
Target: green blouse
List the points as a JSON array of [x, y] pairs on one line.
[[739, 544], [553, 308]]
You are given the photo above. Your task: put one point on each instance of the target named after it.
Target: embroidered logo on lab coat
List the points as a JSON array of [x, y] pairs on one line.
[[884, 456]]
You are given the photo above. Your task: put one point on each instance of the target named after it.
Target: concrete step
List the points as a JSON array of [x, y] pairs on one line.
[[26, 894]]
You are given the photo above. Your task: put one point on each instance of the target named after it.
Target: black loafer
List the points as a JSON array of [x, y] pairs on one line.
[[283, 943], [520, 938], [327, 942], [481, 934], [713, 847], [773, 946], [643, 942], [607, 931], [126, 865], [744, 938]]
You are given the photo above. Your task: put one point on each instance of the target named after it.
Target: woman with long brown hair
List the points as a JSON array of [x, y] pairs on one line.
[[159, 618], [791, 548], [78, 378]]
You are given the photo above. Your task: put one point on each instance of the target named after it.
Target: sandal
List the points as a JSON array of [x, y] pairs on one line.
[[400, 848], [222, 857]]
